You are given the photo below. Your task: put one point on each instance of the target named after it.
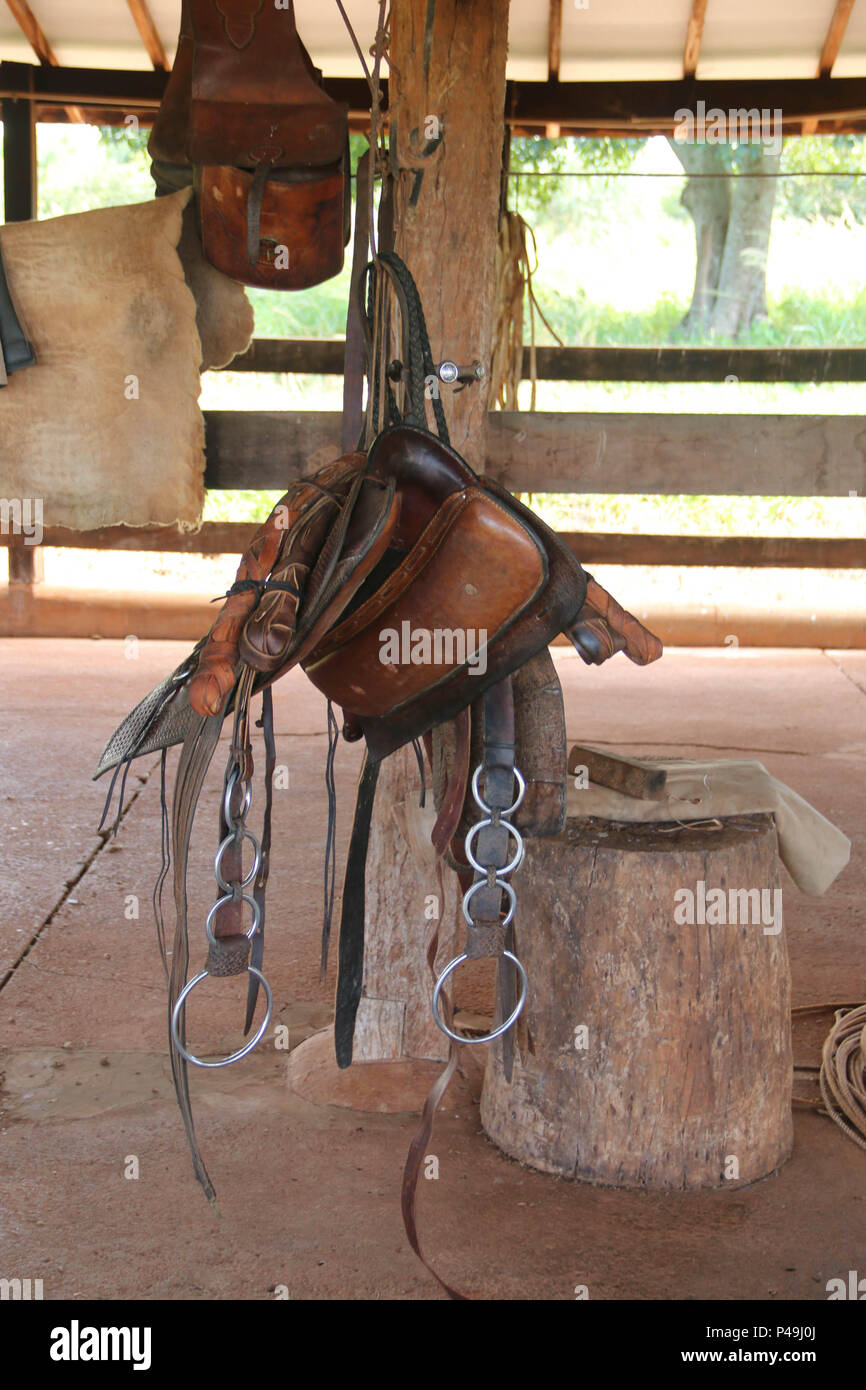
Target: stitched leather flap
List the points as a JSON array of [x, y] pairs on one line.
[[473, 571], [255, 93]]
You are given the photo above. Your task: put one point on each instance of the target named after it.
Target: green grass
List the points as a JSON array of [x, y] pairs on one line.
[[796, 319]]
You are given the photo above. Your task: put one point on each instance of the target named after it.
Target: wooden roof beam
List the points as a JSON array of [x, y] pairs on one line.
[[149, 35], [554, 56], [835, 35], [694, 38], [612, 108], [554, 40], [830, 51], [32, 31]]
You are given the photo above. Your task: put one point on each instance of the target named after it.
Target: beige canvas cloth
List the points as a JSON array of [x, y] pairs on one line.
[[106, 428], [812, 849], [223, 314]]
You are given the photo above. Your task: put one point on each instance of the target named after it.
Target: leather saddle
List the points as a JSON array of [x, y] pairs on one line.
[[419, 598], [246, 119]]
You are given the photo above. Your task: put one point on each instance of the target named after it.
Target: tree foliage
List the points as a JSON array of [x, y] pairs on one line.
[[124, 144], [77, 172], [542, 160], [824, 198]]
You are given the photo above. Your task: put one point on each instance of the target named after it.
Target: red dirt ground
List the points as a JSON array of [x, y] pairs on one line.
[[309, 1195]]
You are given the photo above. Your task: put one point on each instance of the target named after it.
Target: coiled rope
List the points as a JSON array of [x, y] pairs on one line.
[[842, 1073]]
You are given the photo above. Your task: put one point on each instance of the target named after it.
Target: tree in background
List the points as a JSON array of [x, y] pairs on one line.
[[732, 218]]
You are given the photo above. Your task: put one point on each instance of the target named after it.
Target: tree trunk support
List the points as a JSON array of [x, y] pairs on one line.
[[447, 111]]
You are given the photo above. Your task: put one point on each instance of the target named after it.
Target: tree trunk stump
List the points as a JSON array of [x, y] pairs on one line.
[[407, 894], [654, 1053], [446, 101], [398, 1052]]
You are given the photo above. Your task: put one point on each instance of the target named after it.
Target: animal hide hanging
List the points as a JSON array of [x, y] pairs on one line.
[[106, 429]]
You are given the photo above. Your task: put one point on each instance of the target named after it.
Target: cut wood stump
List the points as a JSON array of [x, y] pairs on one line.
[[398, 1051], [655, 1051], [407, 895], [446, 215]]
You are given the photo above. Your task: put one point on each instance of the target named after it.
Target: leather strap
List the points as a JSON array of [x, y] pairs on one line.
[[412, 1170], [353, 367], [16, 350], [196, 754], [418, 1148], [228, 922], [485, 936], [266, 723], [214, 676], [416, 363], [454, 800], [352, 919], [254, 210]]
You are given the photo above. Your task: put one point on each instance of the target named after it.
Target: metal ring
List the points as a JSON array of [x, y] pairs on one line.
[[230, 898], [521, 784], [500, 869], [242, 1051], [232, 839], [231, 782], [503, 1027], [482, 883]]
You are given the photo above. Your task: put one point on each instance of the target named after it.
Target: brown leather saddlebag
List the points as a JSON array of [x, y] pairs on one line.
[[437, 611], [269, 148]]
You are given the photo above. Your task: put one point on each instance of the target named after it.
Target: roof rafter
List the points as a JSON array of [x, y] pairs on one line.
[[554, 54], [835, 35], [694, 37], [149, 34], [830, 51], [554, 40], [32, 31]]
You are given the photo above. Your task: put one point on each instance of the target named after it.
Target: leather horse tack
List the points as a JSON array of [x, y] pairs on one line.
[[246, 119], [16, 350], [404, 533]]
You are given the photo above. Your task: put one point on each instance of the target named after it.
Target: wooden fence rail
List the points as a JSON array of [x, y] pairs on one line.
[[590, 547], [325, 357], [596, 452]]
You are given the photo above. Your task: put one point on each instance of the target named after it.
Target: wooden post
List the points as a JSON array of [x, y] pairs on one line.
[[19, 152], [408, 894], [19, 202], [447, 103], [655, 1051], [26, 564], [448, 116], [447, 108]]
